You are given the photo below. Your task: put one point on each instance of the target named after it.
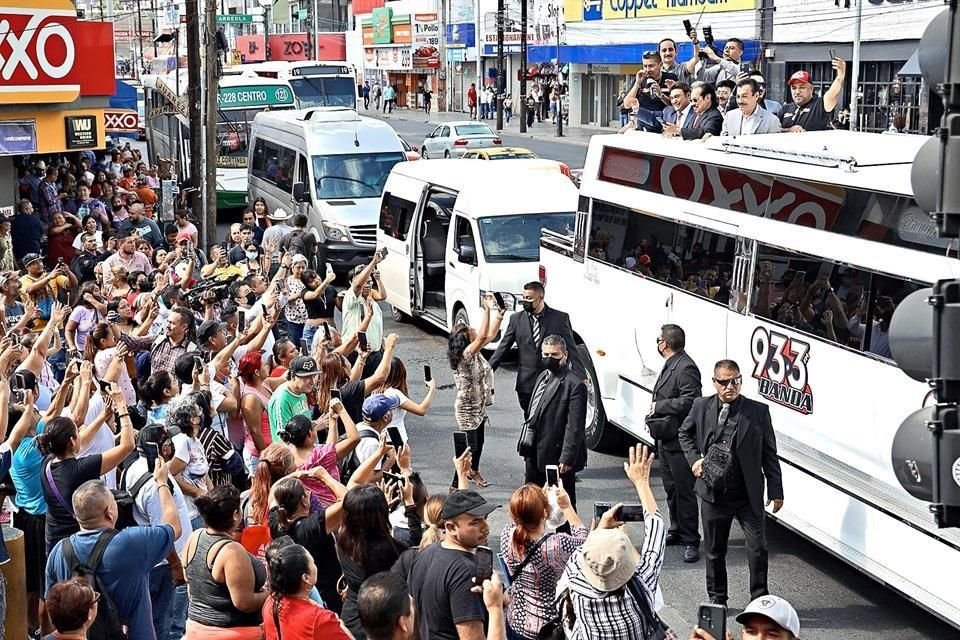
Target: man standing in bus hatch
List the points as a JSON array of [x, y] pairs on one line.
[[673, 395], [527, 330], [731, 447]]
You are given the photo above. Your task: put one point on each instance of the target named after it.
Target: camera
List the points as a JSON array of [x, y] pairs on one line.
[[216, 289], [708, 39]]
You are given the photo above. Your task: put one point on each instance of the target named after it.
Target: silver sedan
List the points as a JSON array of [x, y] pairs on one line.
[[452, 139]]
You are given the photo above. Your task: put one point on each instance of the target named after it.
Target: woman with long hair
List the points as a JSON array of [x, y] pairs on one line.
[[301, 436], [260, 209], [254, 371], [125, 319], [91, 309], [62, 471], [189, 465], [72, 607], [336, 372], [533, 592], [295, 312], [470, 372], [157, 391], [292, 517], [284, 351], [395, 386], [432, 518], [320, 300], [225, 582], [289, 613], [275, 464], [365, 543]]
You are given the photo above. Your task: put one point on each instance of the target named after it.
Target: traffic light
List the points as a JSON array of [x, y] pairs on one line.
[[925, 329]]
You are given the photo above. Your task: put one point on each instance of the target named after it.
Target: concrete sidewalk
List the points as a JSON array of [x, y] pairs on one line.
[[539, 131]]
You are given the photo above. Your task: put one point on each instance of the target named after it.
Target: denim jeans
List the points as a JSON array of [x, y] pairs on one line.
[[624, 118], [161, 595], [295, 333], [310, 330], [250, 461]]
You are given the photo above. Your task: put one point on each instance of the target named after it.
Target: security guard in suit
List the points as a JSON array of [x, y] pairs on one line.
[[673, 395], [731, 447]]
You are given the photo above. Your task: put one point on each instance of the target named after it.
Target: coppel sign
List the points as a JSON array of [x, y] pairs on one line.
[[47, 55]]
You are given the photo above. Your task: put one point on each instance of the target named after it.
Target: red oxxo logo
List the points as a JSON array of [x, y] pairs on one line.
[[39, 54], [780, 367]]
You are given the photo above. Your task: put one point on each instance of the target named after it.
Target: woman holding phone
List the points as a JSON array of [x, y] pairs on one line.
[[470, 373], [396, 387], [320, 299]]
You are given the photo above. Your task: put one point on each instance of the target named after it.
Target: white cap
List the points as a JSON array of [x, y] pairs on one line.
[[278, 214], [776, 609]]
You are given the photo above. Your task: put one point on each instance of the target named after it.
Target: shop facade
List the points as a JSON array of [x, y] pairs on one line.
[[51, 100]]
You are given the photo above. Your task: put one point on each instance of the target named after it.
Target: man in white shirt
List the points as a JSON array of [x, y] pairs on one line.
[[749, 117], [377, 413], [273, 235]]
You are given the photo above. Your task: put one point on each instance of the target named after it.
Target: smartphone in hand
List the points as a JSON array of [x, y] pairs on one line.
[[484, 564], [427, 373], [334, 393], [151, 452], [362, 340], [304, 347], [326, 331], [393, 434], [553, 475], [712, 618], [630, 513], [241, 321], [600, 508], [498, 297]]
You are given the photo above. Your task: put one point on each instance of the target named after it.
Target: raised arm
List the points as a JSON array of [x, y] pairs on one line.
[[379, 376], [114, 456], [832, 95], [364, 276]]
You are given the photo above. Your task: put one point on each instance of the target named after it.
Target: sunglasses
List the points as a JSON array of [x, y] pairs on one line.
[[728, 381]]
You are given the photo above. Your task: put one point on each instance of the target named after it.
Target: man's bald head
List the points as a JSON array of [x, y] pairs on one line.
[[94, 505], [136, 210]]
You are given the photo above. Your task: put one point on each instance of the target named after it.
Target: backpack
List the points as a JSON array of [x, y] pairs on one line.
[[351, 463], [126, 499], [294, 243], [107, 625]]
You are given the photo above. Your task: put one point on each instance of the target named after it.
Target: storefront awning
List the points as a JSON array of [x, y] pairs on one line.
[[912, 66]]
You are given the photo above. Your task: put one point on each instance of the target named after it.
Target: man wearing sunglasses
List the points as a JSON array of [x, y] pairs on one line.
[[730, 445]]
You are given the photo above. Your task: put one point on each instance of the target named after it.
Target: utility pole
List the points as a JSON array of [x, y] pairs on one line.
[[501, 85], [523, 66], [855, 71], [140, 40], [560, 89], [153, 27], [212, 64], [193, 97]]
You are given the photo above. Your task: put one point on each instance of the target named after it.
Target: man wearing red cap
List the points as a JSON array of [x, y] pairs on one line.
[[808, 112]]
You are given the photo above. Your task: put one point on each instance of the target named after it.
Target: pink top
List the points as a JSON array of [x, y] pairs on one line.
[[248, 444], [323, 455]]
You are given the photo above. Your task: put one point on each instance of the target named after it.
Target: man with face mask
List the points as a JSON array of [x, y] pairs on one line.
[[673, 395], [527, 330], [557, 415]]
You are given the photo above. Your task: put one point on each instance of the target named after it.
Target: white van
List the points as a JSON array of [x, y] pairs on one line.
[[330, 164], [456, 228]]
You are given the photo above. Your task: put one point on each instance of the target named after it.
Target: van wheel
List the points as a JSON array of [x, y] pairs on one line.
[[423, 153], [460, 316], [446, 154], [397, 315], [600, 435]]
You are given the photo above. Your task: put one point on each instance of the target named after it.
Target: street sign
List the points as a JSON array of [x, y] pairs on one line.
[[254, 96], [302, 14], [234, 18]]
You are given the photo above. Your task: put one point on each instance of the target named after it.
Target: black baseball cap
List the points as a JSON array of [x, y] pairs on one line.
[[154, 434], [470, 502], [304, 366], [209, 329]]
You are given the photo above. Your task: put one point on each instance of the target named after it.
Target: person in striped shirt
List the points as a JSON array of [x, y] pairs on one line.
[[607, 589]]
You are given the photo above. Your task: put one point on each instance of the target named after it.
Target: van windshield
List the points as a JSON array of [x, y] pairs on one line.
[[358, 175], [324, 92], [517, 238]]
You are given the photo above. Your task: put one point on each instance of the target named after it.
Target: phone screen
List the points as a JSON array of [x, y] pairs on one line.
[[241, 321], [553, 475], [151, 452], [600, 508], [395, 438], [335, 393], [484, 564], [198, 362], [459, 443], [304, 347], [362, 340], [499, 299], [712, 618], [427, 373], [326, 331], [630, 513]]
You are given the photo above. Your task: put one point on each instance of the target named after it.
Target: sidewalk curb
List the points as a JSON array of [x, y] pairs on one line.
[[509, 132]]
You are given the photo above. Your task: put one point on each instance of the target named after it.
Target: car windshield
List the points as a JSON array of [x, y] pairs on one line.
[[509, 156], [360, 175], [233, 130], [324, 92], [517, 238], [473, 130]]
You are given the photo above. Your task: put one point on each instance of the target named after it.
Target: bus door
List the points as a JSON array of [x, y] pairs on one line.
[[397, 234]]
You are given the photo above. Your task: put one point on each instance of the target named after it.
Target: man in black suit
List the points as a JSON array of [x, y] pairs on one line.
[[731, 447], [673, 395], [558, 414], [526, 330], [708, 118]]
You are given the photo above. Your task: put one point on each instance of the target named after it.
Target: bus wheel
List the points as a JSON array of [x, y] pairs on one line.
[[599, 435], [397, 315]]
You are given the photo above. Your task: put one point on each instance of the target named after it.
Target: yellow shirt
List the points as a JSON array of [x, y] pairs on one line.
[[53, 289]]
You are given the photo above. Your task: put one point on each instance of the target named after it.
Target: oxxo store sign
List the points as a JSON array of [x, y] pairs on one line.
[[40, 54]]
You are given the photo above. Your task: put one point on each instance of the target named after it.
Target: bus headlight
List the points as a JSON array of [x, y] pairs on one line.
[[336, 232]]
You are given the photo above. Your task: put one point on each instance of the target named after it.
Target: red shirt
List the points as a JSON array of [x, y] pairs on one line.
[[471, 96], [301, 620]]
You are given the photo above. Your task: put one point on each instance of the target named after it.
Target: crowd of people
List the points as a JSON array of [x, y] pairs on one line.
[[217, 444], [715, 94]]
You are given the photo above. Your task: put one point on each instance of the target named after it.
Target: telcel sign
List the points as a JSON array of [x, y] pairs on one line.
[[39, 60]]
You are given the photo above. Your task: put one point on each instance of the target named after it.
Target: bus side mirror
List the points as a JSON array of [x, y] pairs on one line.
[[468, 252], [299, 192]]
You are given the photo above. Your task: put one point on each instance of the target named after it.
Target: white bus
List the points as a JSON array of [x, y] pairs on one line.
[[788, 254], [240, 97], [314, 83]]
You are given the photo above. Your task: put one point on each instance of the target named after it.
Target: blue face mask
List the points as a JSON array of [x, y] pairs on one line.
[[252, 255]]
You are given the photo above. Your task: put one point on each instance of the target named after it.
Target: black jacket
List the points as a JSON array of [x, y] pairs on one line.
[[560, 422], [710, 122], [673, 394], [756, 446], [520, 333]]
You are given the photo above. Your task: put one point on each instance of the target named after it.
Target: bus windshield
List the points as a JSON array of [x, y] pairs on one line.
[[233, 130], [359, 175], [324, 92], [517, 238]]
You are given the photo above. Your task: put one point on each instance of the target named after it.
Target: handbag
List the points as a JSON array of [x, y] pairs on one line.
[[526, 443], [662, 427], [655, 628]]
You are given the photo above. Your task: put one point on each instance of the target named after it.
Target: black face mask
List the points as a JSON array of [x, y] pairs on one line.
[[251, 298], [551, 364], [527, 305]]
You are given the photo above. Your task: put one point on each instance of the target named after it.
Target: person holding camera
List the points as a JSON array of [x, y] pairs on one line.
[[731, 447], [607, 579], [652, 89]]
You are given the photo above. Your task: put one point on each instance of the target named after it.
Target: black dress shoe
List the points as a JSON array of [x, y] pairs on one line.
[[673, 539], [690, 553]]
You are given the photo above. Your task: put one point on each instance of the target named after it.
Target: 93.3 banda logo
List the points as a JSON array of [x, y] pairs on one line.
[[780, 367]]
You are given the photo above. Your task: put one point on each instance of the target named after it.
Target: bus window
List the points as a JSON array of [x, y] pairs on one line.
[[303, 171], [691, 258], [274, 163], [464, 235], [395, 216], [844, 304]]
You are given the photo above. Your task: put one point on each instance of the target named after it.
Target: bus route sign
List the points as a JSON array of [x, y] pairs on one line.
[[254, 96]]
